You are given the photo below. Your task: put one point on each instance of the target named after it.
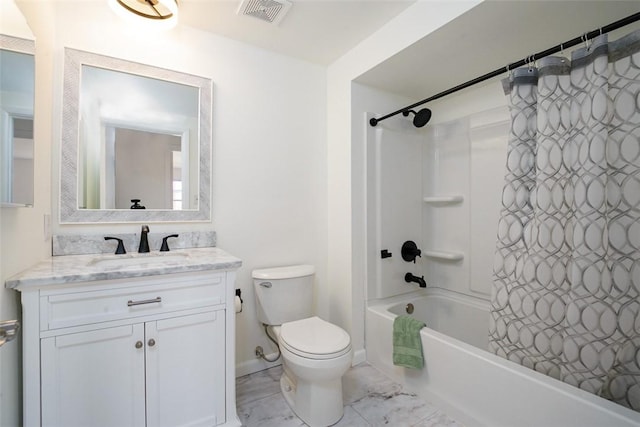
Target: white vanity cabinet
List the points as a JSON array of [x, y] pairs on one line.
[[107, 377], [147, 351], [94, 377]]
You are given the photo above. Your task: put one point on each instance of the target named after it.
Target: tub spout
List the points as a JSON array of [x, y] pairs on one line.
[[419, 280]]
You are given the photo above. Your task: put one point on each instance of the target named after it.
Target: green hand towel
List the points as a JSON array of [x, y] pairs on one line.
[[407, 345]]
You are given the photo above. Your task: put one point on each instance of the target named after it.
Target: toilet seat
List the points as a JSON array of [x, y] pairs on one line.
[[314, 338]]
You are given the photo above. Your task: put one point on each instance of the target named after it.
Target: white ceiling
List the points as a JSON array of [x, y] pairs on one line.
[[319, 31], [491, 35]]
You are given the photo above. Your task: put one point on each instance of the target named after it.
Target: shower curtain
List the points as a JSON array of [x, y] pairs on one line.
[[566, 291]]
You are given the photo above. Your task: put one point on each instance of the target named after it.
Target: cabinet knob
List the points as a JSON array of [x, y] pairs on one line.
[[139, 344], [152, 342]]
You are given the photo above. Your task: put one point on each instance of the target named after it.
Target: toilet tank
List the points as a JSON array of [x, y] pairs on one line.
[[283, 294]]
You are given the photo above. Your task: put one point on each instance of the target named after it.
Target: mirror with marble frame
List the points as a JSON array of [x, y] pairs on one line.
[[17, 93], [133, 131]]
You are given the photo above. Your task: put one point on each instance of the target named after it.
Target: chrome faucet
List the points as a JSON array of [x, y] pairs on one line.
[[144, 241]]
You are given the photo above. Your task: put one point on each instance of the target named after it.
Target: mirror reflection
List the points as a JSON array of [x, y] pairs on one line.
[[138, 145], [133, 135], [17, 77]]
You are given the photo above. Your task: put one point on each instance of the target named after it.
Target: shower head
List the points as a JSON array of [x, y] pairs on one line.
[[420, 118]]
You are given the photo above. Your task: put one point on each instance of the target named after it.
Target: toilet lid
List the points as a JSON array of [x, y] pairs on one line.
[[314, 336]]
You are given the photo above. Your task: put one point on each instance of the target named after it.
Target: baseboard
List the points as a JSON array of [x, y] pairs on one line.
[[359, 356], [250, 366]]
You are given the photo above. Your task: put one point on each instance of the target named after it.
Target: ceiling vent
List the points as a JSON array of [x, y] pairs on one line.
[[271, 11]]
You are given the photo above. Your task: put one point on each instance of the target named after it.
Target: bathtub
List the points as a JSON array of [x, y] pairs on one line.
[[472, 385]]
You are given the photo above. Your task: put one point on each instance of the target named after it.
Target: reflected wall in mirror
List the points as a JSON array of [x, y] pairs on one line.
[[139, 146], [133, 132], [17, 90]]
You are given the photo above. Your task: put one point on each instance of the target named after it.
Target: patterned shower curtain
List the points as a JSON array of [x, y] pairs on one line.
[[566, 291]]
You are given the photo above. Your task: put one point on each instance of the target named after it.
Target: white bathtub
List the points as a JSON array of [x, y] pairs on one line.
[[457, 316], [471, 384]]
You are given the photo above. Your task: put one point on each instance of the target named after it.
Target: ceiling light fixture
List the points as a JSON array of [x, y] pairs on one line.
[[153, 13]]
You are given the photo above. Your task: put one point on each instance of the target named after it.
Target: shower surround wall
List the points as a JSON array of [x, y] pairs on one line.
[[395, 160], [440, 187]]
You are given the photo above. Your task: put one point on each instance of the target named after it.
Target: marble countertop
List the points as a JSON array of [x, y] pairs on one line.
[[82, 268]]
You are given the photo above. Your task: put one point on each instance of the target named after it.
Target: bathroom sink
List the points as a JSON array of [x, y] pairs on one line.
[[142, 260]]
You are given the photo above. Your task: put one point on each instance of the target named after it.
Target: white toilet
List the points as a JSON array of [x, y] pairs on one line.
[[315, 353]]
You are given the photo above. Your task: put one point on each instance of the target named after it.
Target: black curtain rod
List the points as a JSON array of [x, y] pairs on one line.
[[529, 59]]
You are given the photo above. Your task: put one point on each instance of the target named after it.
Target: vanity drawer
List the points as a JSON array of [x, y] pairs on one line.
[[86, 305]]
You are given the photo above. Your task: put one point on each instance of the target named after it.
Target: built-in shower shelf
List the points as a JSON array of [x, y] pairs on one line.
[[444, 255], [443, 200]]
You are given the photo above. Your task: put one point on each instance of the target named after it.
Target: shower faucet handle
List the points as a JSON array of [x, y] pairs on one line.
[[410, 251]]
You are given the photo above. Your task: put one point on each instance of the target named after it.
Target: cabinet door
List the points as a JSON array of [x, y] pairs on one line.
[[186, 370], [94, 378]]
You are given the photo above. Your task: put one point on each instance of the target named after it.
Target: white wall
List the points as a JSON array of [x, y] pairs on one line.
[[12, 22]]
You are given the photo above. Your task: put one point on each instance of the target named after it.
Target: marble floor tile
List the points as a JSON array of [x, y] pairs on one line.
[[258, 385], [438, 419], [371, 400], [271, 411], [351, 419], [393, 408], [363, 380]]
